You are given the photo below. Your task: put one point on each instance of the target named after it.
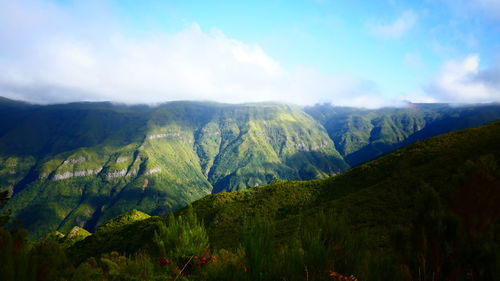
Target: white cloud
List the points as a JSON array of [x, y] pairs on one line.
[[463, 81], [399, 27], [418, 97], [52, 55]]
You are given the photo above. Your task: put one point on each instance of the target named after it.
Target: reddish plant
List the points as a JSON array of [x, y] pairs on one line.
[[340, 277], [164, 261], [203, 260]]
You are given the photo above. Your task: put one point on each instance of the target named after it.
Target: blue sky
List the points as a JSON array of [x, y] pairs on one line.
[[361, 53]]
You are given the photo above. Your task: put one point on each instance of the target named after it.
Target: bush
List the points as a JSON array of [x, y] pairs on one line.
[[181, 238]]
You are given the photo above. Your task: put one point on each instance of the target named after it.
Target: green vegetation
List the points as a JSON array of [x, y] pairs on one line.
[[122, 220], [181, 238], [360, 135], [85, 163], [425, 212]]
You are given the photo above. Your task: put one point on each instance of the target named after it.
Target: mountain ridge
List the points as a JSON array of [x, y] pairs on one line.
[[83, 163], [100, 161]]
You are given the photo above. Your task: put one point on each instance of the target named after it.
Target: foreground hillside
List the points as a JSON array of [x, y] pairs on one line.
[[84, 163], [425, 212]]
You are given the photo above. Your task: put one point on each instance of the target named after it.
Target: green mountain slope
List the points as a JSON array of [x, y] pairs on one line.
[[81, 164], [84, 163], [445, 189], [361, 135]]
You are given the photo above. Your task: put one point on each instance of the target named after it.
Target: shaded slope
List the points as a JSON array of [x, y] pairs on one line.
[[361, 135]]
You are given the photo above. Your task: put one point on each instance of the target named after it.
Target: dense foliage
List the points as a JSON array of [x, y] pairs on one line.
[[425, 212], [361, 135], [85, 163], [82, 164]]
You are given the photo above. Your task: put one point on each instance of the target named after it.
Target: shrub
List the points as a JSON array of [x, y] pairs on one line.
[[181, 238]]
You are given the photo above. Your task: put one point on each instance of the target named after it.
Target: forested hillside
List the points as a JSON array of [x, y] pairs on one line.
[[425, 212], [361, 135], [81, 164], [84, 163]]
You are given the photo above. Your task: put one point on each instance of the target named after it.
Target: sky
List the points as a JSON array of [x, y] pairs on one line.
[[345, 52]]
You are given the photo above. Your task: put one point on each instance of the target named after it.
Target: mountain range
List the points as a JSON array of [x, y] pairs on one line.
[[424, 212], [85, 163]]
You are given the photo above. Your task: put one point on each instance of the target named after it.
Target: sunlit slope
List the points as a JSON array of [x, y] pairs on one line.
[[81, 164]]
